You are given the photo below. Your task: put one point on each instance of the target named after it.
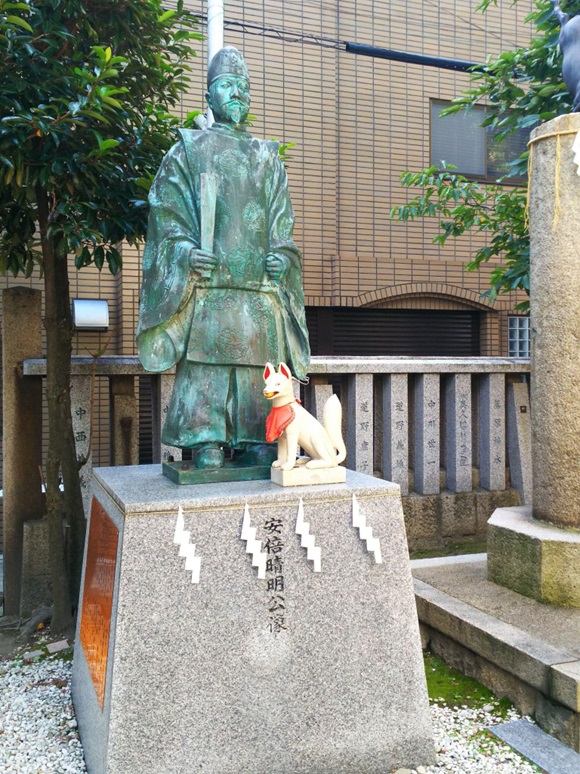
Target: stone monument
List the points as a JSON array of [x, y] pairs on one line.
[[248, 628], [536, 550], [240, 627]]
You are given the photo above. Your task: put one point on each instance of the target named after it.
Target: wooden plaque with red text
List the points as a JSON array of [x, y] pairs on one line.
[[98, 595]]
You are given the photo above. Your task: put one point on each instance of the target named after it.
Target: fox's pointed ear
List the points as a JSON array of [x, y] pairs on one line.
[[284, 370], [268, 370]]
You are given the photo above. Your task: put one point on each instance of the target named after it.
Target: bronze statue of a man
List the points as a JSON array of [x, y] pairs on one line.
[[222, 286]]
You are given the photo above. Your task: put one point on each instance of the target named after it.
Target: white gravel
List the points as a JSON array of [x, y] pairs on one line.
[[38, 730], [463, 744], [38, 733]]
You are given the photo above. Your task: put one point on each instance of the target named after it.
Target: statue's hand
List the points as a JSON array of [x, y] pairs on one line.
[[276, 266], [203, 263]]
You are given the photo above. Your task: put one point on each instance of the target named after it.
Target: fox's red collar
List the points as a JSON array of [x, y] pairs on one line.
[[278, 420]]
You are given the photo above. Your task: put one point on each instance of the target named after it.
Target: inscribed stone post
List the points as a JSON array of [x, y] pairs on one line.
[[80, 397], [458, 432], [519, 440], [396, 430], [427, 447], [316, 397], [492, 431], [360, 422]]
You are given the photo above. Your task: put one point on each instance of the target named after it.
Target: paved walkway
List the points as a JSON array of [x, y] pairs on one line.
[[465, 579]]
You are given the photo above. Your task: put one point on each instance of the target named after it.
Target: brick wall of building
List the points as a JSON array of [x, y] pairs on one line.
[[358, 123]]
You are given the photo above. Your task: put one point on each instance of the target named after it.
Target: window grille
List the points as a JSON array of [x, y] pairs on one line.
[[519, 336]]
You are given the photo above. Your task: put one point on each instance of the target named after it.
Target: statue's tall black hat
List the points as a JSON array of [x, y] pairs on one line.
[[227, 61]]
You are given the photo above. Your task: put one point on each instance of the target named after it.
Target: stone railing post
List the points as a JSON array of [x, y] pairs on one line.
[[360, 423], [124, 421], [21, 433], [162, 389], [396, 430], [427, 447], [458, 432], [492, 431], [316, 395], [80, 398], [519, 439]]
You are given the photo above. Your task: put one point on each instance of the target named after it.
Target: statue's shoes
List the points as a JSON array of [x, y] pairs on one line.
[[210, 456], [259, 454]]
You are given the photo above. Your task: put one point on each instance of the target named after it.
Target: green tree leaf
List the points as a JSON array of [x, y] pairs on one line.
[[19, 23]]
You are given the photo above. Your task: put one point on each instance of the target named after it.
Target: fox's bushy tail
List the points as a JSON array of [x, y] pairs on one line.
[[332, 422]]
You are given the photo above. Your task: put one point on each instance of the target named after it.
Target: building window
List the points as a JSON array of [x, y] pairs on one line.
[[519, 336], [459, 139]]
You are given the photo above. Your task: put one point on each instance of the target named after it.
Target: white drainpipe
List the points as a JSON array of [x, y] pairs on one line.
[[215, 36]]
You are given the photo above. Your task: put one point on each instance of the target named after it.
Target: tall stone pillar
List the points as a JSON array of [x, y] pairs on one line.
[[537, 551], [555, 322], [22, 431]]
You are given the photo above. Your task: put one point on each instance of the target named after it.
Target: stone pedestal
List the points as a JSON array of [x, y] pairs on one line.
[[537, 554], [533, 558], [246, 628], [303, 476]]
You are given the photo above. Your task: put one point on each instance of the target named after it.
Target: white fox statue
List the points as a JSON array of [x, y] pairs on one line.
[[291, 425]]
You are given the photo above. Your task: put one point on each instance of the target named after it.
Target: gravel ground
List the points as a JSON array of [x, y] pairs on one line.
[[463, 744], [38, 733], [38, 730]]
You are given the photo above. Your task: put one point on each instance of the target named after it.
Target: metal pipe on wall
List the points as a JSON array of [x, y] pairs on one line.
[[215, 36]]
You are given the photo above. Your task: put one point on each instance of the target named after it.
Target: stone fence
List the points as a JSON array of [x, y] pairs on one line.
[[428, 424]]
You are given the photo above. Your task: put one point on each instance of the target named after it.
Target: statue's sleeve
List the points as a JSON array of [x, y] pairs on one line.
[[289, 289], [167, 293]]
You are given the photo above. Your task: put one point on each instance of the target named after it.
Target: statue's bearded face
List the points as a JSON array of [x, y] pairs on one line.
[[229, 99]]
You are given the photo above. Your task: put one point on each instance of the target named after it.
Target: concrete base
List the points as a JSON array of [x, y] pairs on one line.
[[303, 476], [533, 558], [251, 653], [520, 648], [435, 521]]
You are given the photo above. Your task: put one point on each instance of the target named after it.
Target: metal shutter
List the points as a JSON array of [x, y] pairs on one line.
[[145, 420], [405, 332]]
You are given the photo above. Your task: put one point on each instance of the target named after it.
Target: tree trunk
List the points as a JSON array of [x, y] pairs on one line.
[[68, 509]]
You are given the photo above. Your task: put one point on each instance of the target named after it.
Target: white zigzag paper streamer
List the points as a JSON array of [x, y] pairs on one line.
[[187, 549], [253, 546], [359, 521], [307, 540], [576, 151]]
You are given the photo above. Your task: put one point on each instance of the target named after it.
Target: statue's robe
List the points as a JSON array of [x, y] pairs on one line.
[[220, 332]]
